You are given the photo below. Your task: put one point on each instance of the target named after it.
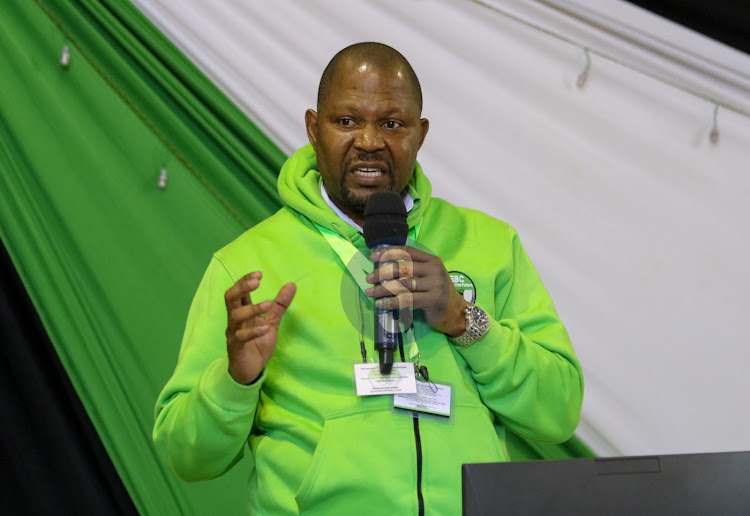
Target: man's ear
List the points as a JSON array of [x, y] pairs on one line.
[[311, 125], [425, 126]]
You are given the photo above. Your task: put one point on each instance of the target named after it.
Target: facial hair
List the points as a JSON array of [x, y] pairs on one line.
[[351, 201]]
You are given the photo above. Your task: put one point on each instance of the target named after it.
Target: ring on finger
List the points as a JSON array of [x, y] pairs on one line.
[[413, 284]]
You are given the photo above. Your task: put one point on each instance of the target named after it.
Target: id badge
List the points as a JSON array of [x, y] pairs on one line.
[[370, 382], [431, 398]]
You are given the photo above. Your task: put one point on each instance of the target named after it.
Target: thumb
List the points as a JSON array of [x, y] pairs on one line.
[[281, 303]]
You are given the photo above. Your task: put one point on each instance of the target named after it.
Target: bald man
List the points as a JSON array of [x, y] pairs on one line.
[[274, 354]]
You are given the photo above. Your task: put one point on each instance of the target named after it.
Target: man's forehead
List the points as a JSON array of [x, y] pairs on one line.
[[355, 70], [365, 78]]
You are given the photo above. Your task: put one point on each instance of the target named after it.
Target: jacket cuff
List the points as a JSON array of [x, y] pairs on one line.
[[221, 389], [485, 352]]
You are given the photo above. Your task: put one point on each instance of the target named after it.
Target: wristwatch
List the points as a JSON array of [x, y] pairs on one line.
[[477, 324]]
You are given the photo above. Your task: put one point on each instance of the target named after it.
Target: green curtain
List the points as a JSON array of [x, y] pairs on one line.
[[111, 260]]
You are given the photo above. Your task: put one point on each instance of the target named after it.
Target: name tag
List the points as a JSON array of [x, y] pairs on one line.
[[369, 381], [430, 398]]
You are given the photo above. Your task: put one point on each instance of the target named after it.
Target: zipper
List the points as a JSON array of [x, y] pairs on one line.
[[418, 441]]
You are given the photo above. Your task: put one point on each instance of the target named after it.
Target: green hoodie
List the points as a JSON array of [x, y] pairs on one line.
[[317, 447]]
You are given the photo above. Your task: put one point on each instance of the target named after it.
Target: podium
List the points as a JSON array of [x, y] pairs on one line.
[[687, 484]]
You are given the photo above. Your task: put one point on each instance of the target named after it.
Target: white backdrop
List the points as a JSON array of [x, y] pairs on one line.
[[637, 223]]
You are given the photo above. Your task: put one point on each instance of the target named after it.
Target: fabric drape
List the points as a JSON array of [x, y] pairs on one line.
[[111, 261]]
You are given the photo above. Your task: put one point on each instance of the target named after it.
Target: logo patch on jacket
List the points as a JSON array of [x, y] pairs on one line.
[[464, 285]]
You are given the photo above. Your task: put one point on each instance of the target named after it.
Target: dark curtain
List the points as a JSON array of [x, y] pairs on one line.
[[727, 21], [53, 461]]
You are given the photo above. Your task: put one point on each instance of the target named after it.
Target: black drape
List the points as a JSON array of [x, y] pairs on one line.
[[52, 459], [727, 21]]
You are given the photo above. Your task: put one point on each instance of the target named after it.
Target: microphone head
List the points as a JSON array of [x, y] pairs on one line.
[[385, 220]]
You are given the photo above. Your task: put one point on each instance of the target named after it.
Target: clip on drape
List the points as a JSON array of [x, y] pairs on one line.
[[581, 82], [65, 57], [163, 179], [713, 136]]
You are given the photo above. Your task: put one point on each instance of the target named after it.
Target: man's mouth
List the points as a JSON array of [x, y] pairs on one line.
[[368, 172]]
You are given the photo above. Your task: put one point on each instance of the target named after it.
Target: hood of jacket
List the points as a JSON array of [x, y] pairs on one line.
[[299, 188]]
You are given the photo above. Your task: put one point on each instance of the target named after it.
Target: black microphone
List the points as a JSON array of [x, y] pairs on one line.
[[385, 225]]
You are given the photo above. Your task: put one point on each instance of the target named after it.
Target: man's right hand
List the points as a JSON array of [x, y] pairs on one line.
[[252, 330]]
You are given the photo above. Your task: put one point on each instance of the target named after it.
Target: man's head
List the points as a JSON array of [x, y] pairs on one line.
[[367, 129]]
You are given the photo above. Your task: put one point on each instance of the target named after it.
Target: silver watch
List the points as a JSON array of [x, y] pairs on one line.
[[477, 324]]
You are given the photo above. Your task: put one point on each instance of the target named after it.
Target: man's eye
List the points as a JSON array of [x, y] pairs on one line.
[[392, 124], [346, 122]]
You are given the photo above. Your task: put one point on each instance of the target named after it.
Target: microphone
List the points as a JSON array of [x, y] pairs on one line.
[[385, 225]]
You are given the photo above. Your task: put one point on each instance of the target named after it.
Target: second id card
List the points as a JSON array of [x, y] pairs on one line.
[[430, 398]]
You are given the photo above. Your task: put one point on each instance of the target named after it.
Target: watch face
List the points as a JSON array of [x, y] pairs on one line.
[[477, 324], [480, 318]]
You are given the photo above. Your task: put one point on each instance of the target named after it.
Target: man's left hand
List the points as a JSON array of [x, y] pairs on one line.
[[408, 277]]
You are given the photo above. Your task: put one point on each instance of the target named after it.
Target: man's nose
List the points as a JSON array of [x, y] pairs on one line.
[[369, 138]]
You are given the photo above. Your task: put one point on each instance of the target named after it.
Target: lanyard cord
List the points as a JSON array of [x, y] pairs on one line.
[[401, 346]]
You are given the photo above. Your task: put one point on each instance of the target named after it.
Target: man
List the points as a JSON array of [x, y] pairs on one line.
[[268, 357]]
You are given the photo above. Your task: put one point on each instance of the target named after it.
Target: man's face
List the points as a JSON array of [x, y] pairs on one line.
[[366, 135]]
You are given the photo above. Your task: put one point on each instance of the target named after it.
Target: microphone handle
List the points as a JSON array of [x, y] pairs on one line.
[[386, 331]]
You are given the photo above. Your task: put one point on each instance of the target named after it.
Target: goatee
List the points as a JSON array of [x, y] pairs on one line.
[[355, 203]]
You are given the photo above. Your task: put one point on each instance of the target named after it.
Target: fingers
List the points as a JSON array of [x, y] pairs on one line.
[[401, 286], [246, 334], [394, 263], [243, 314], [410, 279], [391, 271], [239, 293], [404, 270], [400, 301], [403, 262], [246, 313], [395, 253]]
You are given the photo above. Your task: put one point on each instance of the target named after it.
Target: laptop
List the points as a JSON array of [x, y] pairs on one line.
[[688, 484]]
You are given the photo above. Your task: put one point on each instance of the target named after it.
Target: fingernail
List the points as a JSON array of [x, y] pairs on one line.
[[370, 277], [375, 255], [369, 292]]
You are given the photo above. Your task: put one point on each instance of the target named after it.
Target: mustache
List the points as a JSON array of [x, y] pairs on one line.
[[370, 157]]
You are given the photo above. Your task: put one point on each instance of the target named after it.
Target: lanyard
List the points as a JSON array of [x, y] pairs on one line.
[[360, 266]]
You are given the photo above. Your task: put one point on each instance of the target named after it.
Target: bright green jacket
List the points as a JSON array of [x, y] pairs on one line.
[[317, 447]]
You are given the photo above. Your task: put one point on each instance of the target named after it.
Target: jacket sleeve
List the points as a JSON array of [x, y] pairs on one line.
[[204, 417], [526, 370]]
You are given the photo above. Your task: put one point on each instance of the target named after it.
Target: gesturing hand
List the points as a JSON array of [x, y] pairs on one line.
[[253, 329], [423, 282]]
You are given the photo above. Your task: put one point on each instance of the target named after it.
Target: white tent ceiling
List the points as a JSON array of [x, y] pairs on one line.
[[636, 222]]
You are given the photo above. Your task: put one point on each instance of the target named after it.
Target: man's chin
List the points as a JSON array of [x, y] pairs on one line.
[[358, 200], [364, 192], [355, 199], [356, 204]]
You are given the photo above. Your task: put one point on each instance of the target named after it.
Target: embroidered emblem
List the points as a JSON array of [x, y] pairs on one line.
[[464, 285]]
